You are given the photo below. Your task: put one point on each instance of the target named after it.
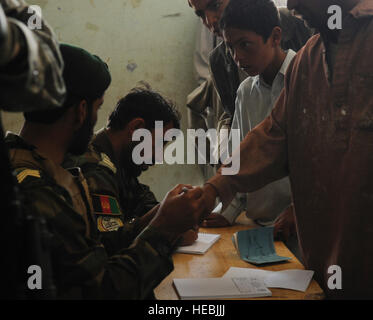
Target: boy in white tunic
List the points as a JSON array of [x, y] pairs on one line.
[[252, 32]]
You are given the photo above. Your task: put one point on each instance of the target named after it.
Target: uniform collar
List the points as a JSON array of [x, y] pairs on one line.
[[15, 141], [102, 143]]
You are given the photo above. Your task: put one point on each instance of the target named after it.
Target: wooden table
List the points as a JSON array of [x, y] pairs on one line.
[[220, 257]]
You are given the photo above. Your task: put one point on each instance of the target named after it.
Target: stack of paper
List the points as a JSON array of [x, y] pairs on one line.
[[221, 288], [201, 245], [294, 279], [256, 246]]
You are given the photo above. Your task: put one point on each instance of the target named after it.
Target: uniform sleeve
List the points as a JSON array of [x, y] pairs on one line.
[[145, 199], [101, 182], [81, 266], [262, 154], [38, 68]]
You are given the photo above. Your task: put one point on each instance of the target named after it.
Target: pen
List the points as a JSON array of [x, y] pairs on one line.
[[184, 190]]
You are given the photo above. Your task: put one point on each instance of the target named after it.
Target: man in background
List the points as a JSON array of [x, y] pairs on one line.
[[203, 104]]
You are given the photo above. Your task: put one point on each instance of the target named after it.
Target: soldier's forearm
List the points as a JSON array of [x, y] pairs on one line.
[[139, 269], [146, 218]]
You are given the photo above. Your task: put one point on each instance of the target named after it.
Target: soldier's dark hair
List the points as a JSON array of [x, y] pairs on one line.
[[259, 16], [146, 104]]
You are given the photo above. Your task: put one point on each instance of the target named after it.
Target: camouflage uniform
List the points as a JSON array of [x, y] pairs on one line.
[[34, 80], [135, 198], [81, 265], [31, 81], [107, 180]]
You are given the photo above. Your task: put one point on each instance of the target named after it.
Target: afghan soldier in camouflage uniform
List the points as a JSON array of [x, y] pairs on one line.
[[135, 198], [81, 265], [121, 203], [30, 79]]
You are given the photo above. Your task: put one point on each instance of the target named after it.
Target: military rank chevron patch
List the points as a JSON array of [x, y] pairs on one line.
[[27, 173], [106, 162]]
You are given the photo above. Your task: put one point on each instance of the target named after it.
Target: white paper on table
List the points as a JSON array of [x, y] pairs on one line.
[[221, 288], [294, 279], [298, 280], [201, 245], [234, 272]]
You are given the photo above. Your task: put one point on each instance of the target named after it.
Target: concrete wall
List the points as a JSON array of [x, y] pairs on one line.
[[151, 40]]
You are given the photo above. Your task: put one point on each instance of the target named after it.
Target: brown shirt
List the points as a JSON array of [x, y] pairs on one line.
[[320, 133]]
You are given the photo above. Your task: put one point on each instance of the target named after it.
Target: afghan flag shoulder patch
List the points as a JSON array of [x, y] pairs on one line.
[[105, 205]]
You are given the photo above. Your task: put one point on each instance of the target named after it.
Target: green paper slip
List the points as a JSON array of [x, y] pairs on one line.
[[256, 246]]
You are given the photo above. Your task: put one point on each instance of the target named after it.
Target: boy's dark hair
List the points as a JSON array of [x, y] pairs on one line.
[[259, 16], [146, 104]]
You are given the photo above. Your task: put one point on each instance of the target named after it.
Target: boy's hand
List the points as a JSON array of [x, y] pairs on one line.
[[215, 220], [285, 225]]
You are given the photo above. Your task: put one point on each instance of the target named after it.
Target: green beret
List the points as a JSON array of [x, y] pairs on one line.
[[85, 74]]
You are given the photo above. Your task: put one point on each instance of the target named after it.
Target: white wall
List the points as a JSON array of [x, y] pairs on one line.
[[154, 37]]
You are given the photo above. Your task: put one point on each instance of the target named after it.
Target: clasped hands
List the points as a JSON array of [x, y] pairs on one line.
[[185, 208], [182, 211]]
